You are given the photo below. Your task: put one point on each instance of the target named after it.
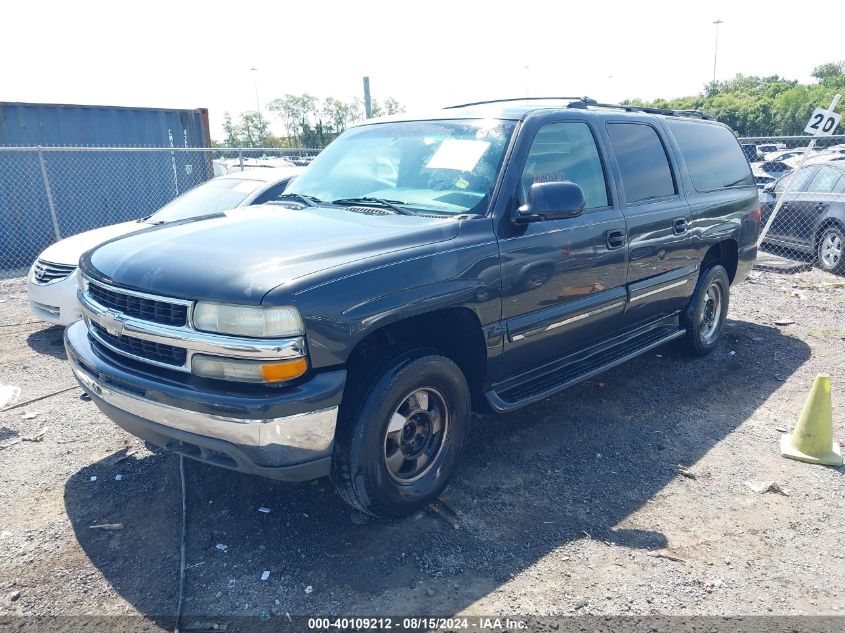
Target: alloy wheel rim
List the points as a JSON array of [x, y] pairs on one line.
[[416, 435], [831, 249], [711, 313]]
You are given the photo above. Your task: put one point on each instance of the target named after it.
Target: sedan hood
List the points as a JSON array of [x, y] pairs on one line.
[[240, 258], [69, 250]]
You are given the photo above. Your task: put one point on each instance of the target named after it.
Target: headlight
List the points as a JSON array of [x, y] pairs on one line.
[[248, 370], [251, 321]]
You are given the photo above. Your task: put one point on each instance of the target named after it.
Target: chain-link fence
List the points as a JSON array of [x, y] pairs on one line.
[[50, 193], [802, 195]]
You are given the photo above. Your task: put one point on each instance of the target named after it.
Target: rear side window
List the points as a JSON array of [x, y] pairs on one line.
[[642, 161], [713, 155]]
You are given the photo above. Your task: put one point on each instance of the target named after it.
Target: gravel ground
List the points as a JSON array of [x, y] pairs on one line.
[[624, 495]]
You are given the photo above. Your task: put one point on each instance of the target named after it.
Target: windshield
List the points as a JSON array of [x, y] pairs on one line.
[[219, 194], [442, 167]]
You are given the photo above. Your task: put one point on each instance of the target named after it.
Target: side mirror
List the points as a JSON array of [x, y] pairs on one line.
[[770, 186], [551, 201]]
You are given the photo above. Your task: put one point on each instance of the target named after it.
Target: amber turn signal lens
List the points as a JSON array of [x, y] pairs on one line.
[[286, 370]]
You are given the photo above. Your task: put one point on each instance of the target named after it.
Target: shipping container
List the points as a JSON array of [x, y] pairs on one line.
[[47, 194], [50, 124]]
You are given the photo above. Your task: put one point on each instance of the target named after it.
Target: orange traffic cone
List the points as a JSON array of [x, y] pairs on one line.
[[812, 439]]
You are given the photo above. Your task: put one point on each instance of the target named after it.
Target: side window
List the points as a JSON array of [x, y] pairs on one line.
[[642, 161], [839, 187], [566, 151], [796, 181], [272, 192], [824, 180], [713, 155]]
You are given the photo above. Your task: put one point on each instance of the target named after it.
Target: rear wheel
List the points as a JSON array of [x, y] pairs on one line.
[[831, 250], [707, 311], [399, 442]]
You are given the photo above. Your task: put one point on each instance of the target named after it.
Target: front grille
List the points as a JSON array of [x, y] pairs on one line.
[[139, 307], [147, 350], [45, 272]]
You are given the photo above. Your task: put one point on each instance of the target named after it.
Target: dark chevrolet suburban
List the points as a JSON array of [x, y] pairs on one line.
[[482, 258]]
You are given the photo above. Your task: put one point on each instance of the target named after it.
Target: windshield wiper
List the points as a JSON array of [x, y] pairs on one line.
[[381, 202], [308, 201]]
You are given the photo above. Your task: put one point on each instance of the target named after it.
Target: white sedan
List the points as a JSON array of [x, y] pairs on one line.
[[51, 285]]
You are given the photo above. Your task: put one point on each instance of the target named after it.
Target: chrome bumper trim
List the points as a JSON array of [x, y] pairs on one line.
[[193, 341], [312, 431]]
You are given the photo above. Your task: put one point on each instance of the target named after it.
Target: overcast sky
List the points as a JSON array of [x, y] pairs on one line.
[[187, 54]]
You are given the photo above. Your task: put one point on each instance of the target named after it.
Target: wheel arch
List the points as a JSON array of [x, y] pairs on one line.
[[454, 332], [724, 252]]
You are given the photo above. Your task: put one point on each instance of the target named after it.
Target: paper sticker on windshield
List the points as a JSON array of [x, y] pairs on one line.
[[458, 154], [245, 186], [462, 183]]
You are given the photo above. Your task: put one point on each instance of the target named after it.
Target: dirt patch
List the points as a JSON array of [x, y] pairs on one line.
[[623, 495]]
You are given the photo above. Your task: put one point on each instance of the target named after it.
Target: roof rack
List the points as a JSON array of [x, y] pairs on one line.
[[474, 103], [585, 103]]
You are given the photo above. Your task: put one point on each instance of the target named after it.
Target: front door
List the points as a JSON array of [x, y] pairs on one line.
[[563, 281]]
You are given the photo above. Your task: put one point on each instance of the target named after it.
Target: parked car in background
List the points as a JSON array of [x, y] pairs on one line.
[[811, 219], [785, 154], [770, 147], [51, 284], [752, 154], [484, 257]]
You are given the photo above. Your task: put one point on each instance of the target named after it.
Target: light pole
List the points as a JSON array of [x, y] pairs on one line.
[[716, 49], [255, 84]]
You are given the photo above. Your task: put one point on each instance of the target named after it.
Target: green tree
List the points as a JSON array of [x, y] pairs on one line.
[[762, 106], [230, 129]]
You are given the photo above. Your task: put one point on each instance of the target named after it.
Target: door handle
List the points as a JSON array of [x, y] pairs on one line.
[[615, 239], [679, 226], [821, 206]]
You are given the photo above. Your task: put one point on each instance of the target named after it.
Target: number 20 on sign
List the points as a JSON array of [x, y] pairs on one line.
[[822, 122]]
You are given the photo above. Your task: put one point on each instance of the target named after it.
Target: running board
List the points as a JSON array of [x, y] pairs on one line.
[[513, 396]]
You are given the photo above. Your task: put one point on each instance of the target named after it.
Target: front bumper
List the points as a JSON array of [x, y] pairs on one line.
[[55, 302], [283, 434]]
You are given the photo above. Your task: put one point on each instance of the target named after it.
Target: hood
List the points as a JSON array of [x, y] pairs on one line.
[[240, 258], [69, 250]]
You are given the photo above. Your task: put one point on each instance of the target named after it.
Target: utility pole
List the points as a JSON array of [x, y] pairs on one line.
[[255, 83], [368, 104], [716, 49]]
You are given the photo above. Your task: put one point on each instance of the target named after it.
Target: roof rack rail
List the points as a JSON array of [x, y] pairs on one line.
[[585, 103], [474, 103]]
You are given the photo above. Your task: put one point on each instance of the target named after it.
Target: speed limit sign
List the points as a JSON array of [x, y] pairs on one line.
[[822, 122]]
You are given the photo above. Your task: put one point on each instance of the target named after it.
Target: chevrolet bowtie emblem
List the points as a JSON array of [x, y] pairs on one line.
[[113, 323]]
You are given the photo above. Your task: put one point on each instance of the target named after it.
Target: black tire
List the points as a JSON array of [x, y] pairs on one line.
[[703, 319], [360, 470], [830, 249]]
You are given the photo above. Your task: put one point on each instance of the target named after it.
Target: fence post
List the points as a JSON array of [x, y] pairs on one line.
[[49, 194], [241, 157]]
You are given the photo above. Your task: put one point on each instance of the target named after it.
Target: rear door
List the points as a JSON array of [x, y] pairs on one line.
[[661, 253]]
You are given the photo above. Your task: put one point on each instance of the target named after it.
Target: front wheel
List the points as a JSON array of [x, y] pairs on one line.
[[707, 311], [398, 445], [831, 250]]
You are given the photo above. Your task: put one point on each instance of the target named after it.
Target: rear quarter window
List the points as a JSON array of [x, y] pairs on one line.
[[713, 155]]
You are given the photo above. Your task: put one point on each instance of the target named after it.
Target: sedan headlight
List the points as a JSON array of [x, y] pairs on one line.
[[250, 321]]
